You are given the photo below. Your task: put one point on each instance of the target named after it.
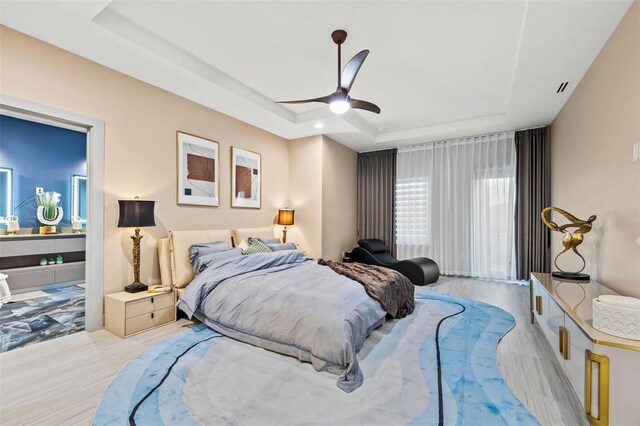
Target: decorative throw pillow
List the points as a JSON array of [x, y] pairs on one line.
[[282, 246], [243, 245], [265, 240], [256, 246]]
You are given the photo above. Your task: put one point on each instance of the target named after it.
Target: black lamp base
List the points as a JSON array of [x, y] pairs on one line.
[[136, 288], [574, 276]]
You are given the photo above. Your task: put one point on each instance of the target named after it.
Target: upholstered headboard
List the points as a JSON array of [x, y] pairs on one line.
[[173, 252], [245, 233], [164, 259]]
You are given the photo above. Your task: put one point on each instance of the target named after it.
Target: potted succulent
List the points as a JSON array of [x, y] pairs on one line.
[[49, 212]]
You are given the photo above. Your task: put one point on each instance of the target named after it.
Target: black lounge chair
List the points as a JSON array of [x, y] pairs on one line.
[[420, 270]]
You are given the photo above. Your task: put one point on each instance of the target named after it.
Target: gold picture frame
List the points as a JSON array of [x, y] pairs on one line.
[[197, 170], [246, 179]]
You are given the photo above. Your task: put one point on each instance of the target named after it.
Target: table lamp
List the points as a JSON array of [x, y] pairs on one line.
[[136, 214], [285, 217]]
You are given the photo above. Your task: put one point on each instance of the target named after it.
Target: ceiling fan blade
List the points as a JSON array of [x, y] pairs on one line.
[[324, 99], [351, 70], [367, 106]]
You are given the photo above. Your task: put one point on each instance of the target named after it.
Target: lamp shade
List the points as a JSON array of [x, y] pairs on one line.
[[136, 213], [285, 216]]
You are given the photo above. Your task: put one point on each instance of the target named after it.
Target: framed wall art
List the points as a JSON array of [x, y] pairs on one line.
[[246, 179], [198, 171]]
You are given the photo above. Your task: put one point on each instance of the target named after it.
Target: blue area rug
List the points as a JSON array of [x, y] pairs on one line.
[[60, 313], [436, 366]]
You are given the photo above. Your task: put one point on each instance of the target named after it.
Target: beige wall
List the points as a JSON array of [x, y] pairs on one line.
[[339, 188], [305, 193], [322, 185], [591, 163], [140, 146]]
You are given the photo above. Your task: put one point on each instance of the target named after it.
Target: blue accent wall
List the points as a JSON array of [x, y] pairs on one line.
[[41, 156]]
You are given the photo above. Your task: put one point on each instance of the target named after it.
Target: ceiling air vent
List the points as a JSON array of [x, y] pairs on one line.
[[562, 87]]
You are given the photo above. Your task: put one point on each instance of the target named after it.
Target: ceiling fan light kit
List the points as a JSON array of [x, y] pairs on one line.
[[339, 101], [339, 107]]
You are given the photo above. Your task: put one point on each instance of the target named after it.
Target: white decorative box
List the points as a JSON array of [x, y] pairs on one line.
[[616, 320]]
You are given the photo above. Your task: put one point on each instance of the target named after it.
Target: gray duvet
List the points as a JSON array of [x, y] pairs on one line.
[[285, 302]]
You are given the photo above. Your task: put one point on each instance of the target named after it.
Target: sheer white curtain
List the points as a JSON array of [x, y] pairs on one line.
[[455, 205]]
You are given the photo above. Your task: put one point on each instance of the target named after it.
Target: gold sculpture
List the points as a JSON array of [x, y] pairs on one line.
[[570, 241]]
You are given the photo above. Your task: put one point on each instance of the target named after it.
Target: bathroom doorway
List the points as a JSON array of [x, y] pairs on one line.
[[51, 236]]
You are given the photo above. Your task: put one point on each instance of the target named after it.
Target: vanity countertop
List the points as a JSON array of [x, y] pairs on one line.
[[20, 237]]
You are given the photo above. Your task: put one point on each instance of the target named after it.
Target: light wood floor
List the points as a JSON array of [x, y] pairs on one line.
[[60, 382]]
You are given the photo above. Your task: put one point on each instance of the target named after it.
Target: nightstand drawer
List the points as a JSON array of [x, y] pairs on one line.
[[149, 304], [149, 320], [130, 313]]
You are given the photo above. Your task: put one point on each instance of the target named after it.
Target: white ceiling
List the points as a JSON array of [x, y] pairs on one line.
[[437, 69]]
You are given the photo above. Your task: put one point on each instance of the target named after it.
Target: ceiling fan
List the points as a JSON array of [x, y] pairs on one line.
[[340, 101]]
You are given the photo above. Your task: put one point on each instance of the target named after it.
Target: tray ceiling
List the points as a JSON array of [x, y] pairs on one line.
[[437, 69]]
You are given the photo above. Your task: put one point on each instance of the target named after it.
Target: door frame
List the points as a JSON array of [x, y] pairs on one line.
[[94, 128]]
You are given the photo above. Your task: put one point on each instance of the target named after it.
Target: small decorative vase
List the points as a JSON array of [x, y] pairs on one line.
[[59, 259], [52, 262], [43, 262]]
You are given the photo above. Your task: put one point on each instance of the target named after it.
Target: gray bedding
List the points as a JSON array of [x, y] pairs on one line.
[[285, 302]]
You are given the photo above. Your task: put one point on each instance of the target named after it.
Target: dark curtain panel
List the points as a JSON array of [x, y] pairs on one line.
[[376, 196], [533, 193]]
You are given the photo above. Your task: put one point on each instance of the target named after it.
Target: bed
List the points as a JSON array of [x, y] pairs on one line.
[[281, 301]]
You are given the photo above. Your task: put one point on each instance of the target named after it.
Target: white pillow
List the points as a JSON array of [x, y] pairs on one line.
[[243, 245]]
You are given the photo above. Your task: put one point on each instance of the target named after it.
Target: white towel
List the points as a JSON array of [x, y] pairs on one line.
[[620, 301], [5, 293]]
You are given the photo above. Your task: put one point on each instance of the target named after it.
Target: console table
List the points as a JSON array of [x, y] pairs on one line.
[[20, 256], [604, 370]]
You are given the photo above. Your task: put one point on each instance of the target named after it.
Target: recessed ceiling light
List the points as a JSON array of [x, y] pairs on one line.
[[318, 125], [380, 129]]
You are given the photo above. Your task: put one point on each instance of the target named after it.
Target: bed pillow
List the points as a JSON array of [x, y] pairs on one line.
[[256, 246], [282, 246], [243, 245], [265, 240], [198, 250], [211, 259]]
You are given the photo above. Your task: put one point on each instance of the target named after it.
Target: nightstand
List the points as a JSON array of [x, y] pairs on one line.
[[130, 313]]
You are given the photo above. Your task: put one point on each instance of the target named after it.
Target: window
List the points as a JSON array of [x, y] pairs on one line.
[[455, 204], [493, 229], [413, 214]]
